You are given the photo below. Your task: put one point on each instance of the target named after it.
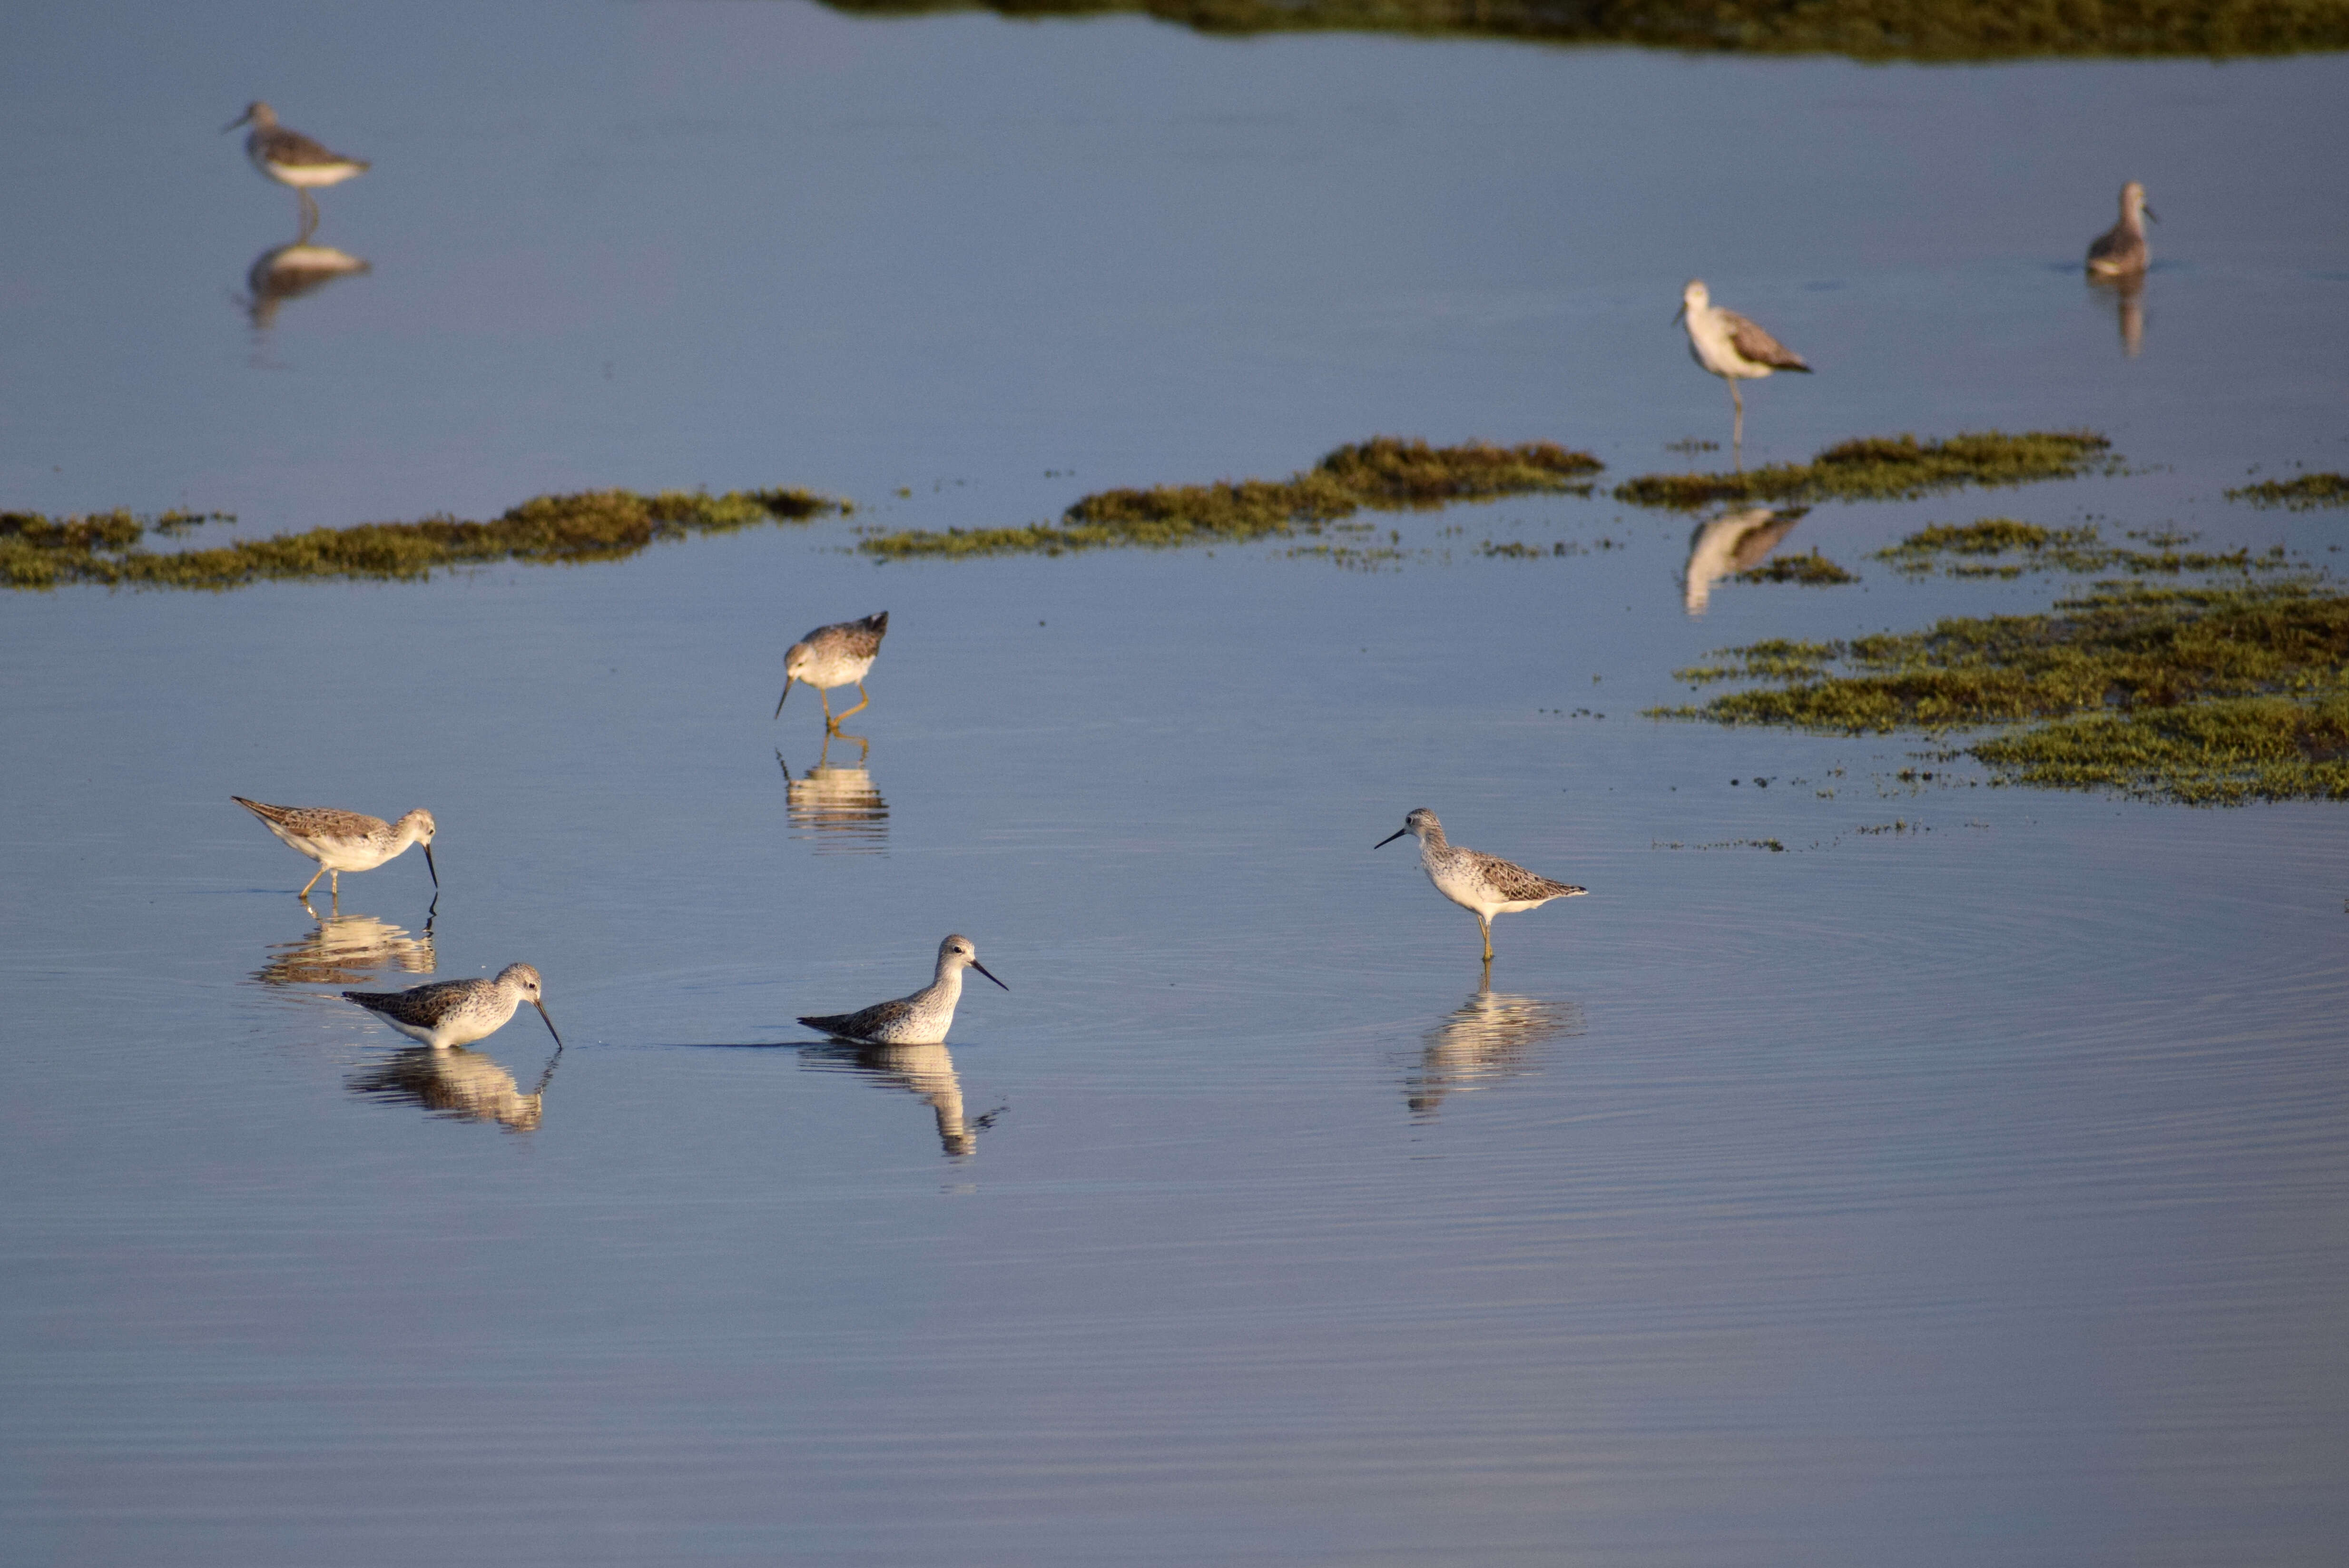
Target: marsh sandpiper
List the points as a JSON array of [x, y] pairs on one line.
[[834, 655], [292, 159], [1732, 348], [458, 1012], [2120, 250], [345, 841], [920, 1019], [1486, 885]]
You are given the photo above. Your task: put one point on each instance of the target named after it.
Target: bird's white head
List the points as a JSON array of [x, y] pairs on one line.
[[2133, 201], [421, 828], [795, 661], [521, 977], [256, 114], [1693, 297], [957, 952]]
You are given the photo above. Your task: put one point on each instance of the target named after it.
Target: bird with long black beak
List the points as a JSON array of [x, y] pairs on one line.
[[345, 841], [1732, 348], [834, 655], [920, 1019], [1485, 885], [459, 1011]]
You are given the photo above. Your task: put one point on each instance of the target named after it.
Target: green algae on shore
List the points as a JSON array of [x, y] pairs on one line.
[[1384, 474], [1811, 570], [2305, 493], [2003, 547], [2209, 694], [1883, 467], [1863, 29], [36, 551]]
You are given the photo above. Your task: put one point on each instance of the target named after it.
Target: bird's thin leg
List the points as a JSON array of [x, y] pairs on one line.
[[1737, 426], [305, 893], [1484, 924], [309, 215], [860, 706], [830, 723], [334, 885]]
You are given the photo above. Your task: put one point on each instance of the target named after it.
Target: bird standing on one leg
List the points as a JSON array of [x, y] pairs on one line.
[[292, 159], [2120, 250], [834, 655], [1732, 348], [345, 841], [1485, 885]]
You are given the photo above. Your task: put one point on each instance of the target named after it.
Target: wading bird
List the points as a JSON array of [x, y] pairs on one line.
[[458, 1012], [834, 655], [1485, 885], [920, 1019], [345, 841], [2120, 250], [1732, 348], [292, 159]]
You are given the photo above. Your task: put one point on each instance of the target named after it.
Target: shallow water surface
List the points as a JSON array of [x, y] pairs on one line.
[[1958, 1181]]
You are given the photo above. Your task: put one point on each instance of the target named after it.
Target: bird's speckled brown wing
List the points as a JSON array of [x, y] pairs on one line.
[[864, 1024], [423, 1007], [1757, 347], [316, 821], [1515, 882], [295, 151]]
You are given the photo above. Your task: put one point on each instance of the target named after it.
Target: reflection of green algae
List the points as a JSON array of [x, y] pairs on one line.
[[596, 525], [1385, 474], [2002, 547], [1812, 571], [2305, 493], [2211, 695], [1866, 29], [1881, 468]]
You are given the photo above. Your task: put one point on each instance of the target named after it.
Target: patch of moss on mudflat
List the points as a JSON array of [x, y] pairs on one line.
[[1883, 468], [36, 551], [2305, 493], [1812, 571], [2211, 695], [1864, 30], [1384, 474], [2002, 547]]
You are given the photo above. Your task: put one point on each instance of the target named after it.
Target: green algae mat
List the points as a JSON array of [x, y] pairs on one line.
[[1885, 467], [2211, 695], [1862, 29], [1382, 474], [38, 552]]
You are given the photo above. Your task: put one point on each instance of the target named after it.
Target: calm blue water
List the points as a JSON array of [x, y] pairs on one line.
[[1961, 1184]]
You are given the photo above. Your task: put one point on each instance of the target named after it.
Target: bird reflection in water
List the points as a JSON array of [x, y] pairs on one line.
[[926, 1071], [2127, 294], [346, 949], [1734, 541], [458, 1084], [1489, 1037], [837, 807], [289, 271]]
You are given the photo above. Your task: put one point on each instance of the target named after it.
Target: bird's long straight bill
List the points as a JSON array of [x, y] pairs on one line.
[[975, 964], [1391, 838], [433, 869], [1677, 314], [779, 701], [550, 1023]]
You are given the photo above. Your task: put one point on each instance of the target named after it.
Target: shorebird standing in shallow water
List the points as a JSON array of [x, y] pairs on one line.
[[2120, 250], [920, 1019], [1486, 885], [1732, 348], [458, 1012], [834, 655], [345, 841], [292, 159]]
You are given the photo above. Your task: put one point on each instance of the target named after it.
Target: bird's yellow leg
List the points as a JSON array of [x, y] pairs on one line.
[[1485, 925], [860, 707], [831, 725], [306, 886], [1736, 423], [334, 885]]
